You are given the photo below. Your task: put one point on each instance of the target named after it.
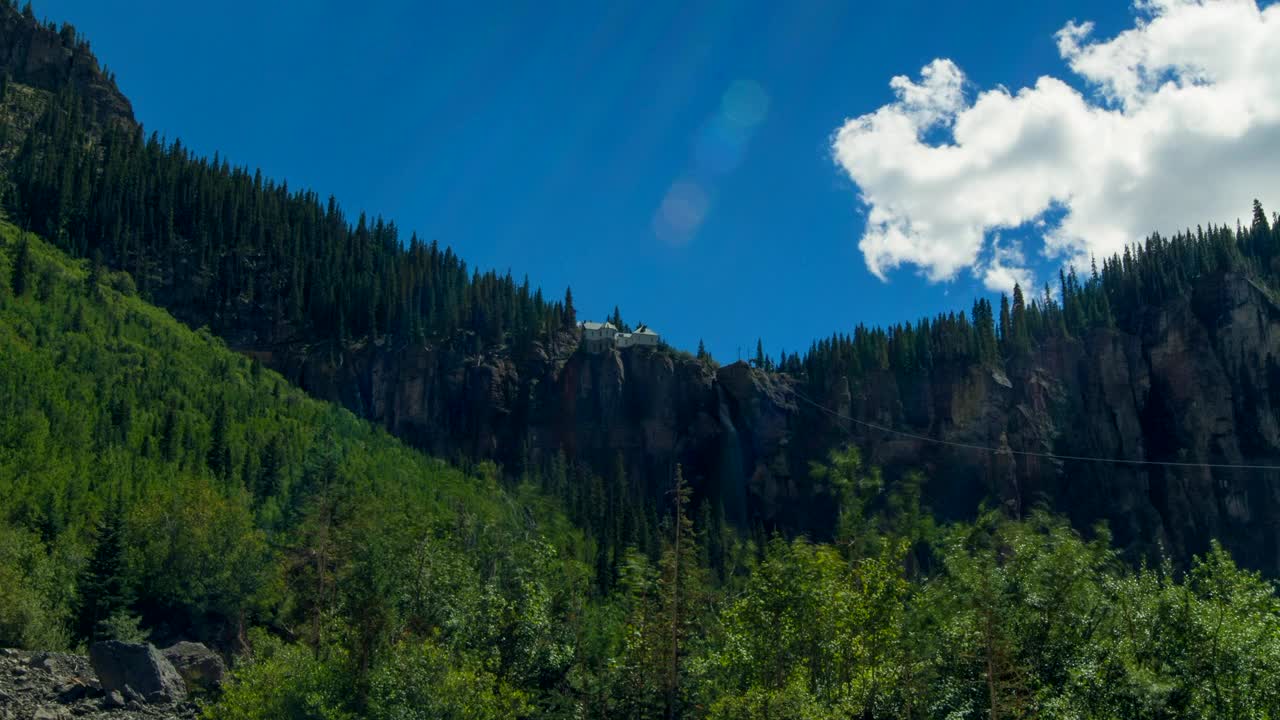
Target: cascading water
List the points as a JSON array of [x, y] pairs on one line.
[[732, 476]]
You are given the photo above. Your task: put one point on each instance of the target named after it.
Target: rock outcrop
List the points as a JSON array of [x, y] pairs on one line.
[[52, 59], [60, 686], [136, 669], [1197, 383], [201, 668]]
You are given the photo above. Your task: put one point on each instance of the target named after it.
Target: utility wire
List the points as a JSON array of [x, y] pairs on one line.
[[1029, 453]]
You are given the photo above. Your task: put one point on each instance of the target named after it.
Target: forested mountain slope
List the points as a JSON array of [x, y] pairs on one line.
[[165, 482], [148, 473], [1165, 352], [50, 57], [153, 483]]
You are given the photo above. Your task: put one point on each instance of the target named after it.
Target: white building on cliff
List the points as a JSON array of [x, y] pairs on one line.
[[598, 337], [641, 337]]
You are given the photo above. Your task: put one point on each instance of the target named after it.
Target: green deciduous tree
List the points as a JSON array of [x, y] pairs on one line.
[[35, 592]]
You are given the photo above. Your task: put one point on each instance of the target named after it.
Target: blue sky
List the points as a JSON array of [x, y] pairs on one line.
[[545, 137]]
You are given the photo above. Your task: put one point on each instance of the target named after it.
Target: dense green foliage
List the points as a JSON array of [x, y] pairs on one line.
[[147, 471], [154, 483]]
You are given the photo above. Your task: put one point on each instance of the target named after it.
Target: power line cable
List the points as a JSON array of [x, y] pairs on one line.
[[1029, 453]]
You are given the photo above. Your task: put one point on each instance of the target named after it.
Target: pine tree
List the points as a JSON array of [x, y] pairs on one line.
[[21, 269], [680, 585], [1107, 319], [984, 323], [97, 271], [219, 458], [1260, 227], [315, 501], [1006, 336], [104, 589], [1018, 318], [570, 314], [269, 482]]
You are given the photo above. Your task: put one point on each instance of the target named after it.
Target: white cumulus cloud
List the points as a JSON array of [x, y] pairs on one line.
[[1179, 125], [1005, 268]]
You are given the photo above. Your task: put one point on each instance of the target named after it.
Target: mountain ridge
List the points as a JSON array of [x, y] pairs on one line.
[[53, 58], [636, 532], [478, 367]]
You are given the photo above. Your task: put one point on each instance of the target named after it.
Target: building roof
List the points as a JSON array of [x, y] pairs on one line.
[[645, 330], [597, 326]]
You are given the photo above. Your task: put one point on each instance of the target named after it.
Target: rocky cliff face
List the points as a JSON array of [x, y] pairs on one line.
[[1196, 382], [41, 57]]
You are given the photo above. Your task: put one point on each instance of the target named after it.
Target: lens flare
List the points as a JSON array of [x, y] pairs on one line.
[[681, 213], [745, 104], [718, 150]]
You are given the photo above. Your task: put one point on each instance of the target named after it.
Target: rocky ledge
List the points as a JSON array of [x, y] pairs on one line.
[[116, 680]]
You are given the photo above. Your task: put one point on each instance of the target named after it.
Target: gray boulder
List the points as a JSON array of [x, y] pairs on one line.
[[138, 666], [201, 668]]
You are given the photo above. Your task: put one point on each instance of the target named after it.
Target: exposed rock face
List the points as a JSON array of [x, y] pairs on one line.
[[35, 55], [201, 668], [1197, 383], [57, 686], [136, 667]]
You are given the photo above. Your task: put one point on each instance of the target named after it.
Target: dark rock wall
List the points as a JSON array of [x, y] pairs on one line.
[[1196, 381]]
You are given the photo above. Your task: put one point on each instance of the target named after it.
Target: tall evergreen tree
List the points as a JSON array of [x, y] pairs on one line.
[[219, 458], [1260, 227], [1005, 330], [21, 269], [1019, 320], [97, 271], [269, 481], [570, 314], [680, 584], [103, 586]]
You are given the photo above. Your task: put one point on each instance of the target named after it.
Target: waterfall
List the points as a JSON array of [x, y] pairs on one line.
[[732, 477]]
